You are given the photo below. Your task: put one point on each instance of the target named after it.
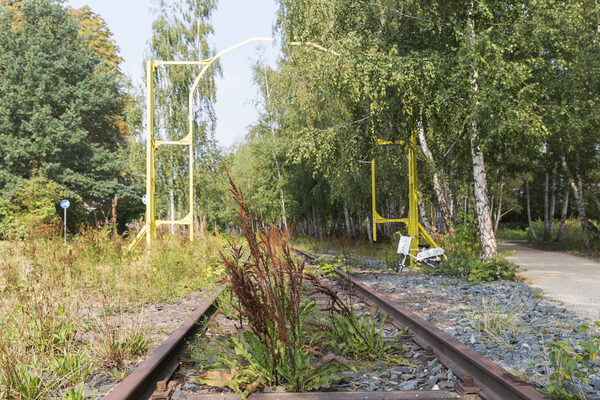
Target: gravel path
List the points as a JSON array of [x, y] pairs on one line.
[[507, 322], [571, 279]]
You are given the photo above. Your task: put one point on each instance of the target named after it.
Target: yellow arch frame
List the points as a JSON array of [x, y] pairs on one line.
[[149, 229], [415, 228]]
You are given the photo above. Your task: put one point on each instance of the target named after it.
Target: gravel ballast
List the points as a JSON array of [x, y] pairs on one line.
[[507, 322]]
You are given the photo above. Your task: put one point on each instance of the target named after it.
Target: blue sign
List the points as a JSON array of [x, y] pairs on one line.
[[65, 204], [145, 199]]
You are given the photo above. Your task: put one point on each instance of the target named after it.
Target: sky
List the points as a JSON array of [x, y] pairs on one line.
[[234, 21]]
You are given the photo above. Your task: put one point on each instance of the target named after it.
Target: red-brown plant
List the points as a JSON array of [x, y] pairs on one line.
[[266, 279]]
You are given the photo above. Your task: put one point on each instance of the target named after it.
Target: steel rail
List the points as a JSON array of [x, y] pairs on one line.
[[164, 360], [493, 381], [395, 395]]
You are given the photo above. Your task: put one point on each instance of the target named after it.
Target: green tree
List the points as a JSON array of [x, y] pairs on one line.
[[181, 32], [60, 106]]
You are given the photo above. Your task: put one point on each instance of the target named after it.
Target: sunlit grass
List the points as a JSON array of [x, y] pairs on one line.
[[383, 250], [55, 298], [572, 237]]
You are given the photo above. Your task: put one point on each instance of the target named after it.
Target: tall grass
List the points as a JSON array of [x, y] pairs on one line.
[[572, 236], [54, 299]]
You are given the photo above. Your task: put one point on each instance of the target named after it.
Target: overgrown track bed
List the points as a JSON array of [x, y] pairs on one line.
[[152, 374], [477, 373], [426, 344]]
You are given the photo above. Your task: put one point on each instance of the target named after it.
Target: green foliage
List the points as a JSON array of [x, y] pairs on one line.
[[31, 208], [572, 365], [75, 393], [61, 107], [480, 271], [362, 338], [252, 364], [507, 233], [47, 344], [73, 367], [23, 382], [465, 243], [326, 266], [494, 323]]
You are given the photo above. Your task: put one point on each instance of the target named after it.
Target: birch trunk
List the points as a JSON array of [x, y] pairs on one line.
[[578, 194], [552, 201], [369, 230], [114, 212], [347, 219], [527, 195], [437, 183], [546, 206], [171, 206], [563, 214], [423, 214], [488, 239], [498, 213], [453, 199], [595, 199], [271, 126]]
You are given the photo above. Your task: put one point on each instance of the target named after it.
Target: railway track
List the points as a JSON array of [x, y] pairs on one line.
[[479, 377]]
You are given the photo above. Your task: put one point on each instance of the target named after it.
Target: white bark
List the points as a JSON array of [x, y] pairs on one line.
[[546, 206], [578, 194], [423, 214], [369, 230], [552, 201], [281, 198], [347, 219], [171, 205], [498, 213], [563, 215], [484, 217], [437, 183], [527, 195]]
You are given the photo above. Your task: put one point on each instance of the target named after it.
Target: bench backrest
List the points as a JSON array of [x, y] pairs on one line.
[[404, 244]]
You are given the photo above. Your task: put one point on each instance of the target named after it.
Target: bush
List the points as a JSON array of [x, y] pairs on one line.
[[32, 207], [479, 271], [465, 243], [570, 366]]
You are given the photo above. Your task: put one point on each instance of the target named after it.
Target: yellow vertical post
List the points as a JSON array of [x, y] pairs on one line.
[[192, 190], [150, 220], [413, 205], [374, 222]]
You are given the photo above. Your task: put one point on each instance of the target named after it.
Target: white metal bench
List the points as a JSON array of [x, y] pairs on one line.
[[428, 256]]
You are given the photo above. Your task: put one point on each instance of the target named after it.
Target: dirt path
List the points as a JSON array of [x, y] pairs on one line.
[[571, 279]]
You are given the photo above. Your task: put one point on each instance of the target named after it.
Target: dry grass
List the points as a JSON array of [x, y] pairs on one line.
[[55, 302]]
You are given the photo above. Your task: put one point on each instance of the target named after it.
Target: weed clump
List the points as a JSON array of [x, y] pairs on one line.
[[285, 343]]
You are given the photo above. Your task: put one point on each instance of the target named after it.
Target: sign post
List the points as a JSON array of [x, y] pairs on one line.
[[65, 204]]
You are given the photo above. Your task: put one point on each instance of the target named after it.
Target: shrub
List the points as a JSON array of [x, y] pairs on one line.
[[571, 366], [479, 271], [31, 206]]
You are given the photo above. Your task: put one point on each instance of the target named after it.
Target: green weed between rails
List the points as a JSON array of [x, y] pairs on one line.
[[280, 344], [571, 366], [58, 326]]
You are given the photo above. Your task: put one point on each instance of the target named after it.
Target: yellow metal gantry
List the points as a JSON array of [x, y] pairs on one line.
[[415, 229], [149, 229]]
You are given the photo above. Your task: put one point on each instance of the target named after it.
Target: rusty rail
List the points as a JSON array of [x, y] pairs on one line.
[[163, 361], [479, 375], [395, 395]]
